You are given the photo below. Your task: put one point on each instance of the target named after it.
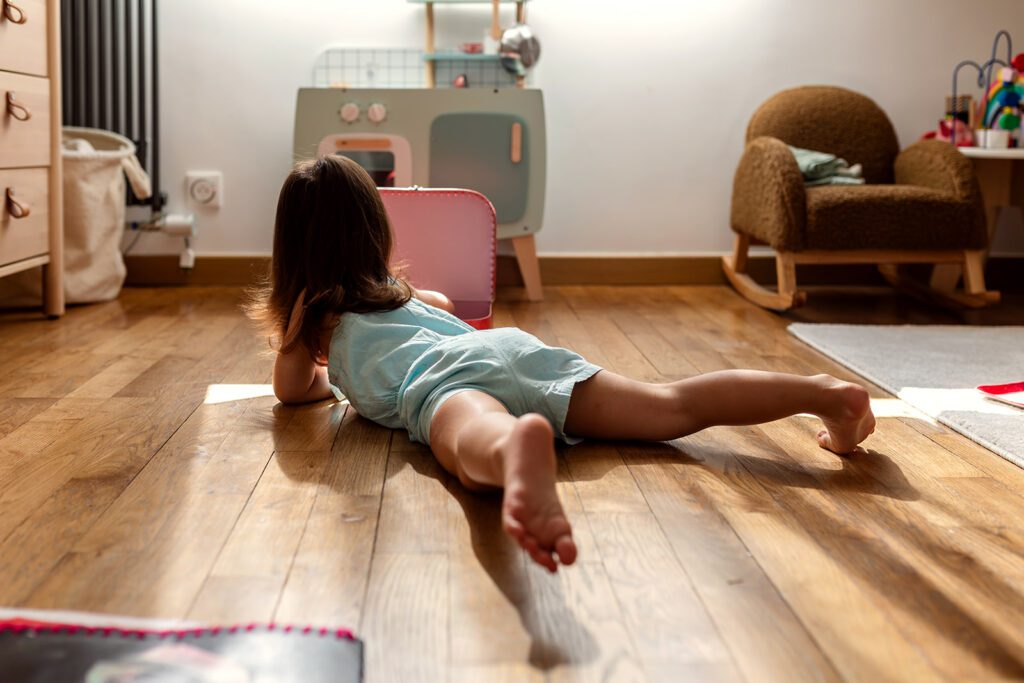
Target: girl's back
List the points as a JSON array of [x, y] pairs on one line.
[[372, 356], [397, 367]]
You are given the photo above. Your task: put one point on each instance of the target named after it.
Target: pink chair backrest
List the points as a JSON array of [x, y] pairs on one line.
[[446, 240]]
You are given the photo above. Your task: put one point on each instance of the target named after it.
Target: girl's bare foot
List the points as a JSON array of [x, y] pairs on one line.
[[531, 512], [848, 420]]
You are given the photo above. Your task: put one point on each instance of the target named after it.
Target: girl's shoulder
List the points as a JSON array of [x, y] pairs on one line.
[[413, 313], [351, 320]]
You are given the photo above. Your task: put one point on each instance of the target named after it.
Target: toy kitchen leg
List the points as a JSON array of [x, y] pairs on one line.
[[526, 256]]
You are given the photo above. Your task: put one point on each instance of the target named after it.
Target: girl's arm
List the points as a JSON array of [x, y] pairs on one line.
[[435, 299], [297, 379]]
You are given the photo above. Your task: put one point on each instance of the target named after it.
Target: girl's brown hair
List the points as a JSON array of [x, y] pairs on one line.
[[332, 247]]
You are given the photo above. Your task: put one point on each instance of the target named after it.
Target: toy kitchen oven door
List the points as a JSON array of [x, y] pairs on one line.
[[488, 140]]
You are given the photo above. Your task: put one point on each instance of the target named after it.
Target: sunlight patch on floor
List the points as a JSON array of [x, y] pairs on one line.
[[892, 407], [938, 401], [222, 393], [928, 402]]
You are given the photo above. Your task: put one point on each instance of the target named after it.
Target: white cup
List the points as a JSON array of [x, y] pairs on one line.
[[993, 138]]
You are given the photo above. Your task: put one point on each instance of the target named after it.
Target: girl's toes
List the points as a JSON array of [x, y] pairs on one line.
[[530, 544], [544, 559], [826, 441], [566, 549], [513, 528]]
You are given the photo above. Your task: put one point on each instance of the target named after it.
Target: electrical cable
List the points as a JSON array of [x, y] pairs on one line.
[[152, 225]]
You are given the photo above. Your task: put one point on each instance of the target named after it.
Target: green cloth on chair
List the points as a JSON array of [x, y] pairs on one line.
[[822, 168]]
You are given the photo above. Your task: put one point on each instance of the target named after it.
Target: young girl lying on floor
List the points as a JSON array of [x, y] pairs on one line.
[[488, 403]]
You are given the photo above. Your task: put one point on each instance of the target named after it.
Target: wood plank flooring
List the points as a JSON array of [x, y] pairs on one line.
[[146, 470]]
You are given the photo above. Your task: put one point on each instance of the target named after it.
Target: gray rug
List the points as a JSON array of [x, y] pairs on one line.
[[935, 368]]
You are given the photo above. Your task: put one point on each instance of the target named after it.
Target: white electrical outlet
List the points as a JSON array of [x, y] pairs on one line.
[[205, 188]]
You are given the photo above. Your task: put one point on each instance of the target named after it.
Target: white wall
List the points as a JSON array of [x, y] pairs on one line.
[[646, 100]]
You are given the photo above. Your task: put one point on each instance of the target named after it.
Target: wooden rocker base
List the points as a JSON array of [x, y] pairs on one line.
[[942, 296], [787, 296], [759, 294]]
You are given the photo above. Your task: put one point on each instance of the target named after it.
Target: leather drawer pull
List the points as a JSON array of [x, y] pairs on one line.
[[17, 209], [13, 13], [17, 110]]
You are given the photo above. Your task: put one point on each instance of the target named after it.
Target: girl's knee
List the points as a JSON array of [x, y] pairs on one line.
[[471, 484], [449, 459], [684, 407]]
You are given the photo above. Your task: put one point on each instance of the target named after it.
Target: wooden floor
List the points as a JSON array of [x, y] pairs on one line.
[[145, 470]]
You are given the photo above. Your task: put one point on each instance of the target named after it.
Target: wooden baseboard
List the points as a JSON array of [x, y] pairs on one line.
[[668, 270], [162, 270]]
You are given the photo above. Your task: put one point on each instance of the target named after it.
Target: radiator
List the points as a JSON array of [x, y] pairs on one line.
[[110, 75]]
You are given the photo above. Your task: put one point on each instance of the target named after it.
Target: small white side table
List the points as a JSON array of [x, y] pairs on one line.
[[1001, 176]]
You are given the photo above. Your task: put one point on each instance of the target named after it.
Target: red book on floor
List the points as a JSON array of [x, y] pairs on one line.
[[46, 651], [1012, 393]]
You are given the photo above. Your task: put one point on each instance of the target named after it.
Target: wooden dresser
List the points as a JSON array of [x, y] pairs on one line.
[[31, 222]]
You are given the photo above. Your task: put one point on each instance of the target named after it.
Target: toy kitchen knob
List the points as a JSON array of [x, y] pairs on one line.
[[377, 112], [349, 112]]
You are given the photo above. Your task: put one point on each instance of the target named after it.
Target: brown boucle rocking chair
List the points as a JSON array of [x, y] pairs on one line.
[[921, 205]]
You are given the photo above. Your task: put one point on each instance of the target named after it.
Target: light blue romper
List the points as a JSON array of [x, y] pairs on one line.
[[397, 367]]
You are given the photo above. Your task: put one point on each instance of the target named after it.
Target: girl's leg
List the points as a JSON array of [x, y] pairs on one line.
[[609, 406], [475, 438]]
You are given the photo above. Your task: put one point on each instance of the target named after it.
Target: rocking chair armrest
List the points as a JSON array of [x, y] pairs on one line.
[[938, 165], [769, 200]]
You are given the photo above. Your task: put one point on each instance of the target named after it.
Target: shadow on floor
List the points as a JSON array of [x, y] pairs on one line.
[[878, 527], [557, 638], [884, 306], [866, 471]]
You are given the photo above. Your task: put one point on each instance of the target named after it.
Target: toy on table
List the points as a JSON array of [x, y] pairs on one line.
[[1001, 107], [960, 114], [1004, 99], [964, 136]]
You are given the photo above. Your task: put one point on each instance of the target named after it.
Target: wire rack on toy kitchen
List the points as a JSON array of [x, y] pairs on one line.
[[403, 68]]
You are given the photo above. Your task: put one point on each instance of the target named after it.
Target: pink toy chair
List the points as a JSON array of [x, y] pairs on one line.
[[445, 239]]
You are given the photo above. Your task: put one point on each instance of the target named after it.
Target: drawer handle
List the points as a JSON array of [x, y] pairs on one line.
[[516, 153], [13, 13], [17, 209], [17, 110]]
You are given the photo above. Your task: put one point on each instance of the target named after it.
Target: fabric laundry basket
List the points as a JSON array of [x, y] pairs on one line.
[[95, 164]]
